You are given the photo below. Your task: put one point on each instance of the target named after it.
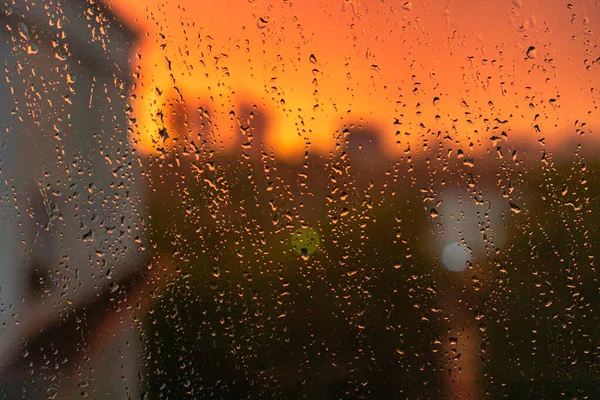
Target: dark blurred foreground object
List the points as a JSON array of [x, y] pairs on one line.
[[71, 206]]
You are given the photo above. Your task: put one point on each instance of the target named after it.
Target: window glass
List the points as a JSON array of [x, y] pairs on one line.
[[312, 199]]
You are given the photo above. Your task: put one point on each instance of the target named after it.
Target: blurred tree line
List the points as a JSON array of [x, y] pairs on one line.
[[247, 312]]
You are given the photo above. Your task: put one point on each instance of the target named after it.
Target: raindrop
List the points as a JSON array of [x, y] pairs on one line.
[[32, 49], [88, 237], [263, 22], [514, 208], [407, 5], [304, 253], [24, 31], [113, 287]]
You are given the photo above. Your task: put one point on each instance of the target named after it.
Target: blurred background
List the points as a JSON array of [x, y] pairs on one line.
[[327, 200]]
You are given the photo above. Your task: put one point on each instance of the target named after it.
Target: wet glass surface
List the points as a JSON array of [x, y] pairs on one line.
[[326, 200]]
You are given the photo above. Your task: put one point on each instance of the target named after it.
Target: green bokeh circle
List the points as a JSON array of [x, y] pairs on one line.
[[306, 238]]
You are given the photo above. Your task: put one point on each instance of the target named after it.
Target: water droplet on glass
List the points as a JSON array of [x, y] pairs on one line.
[[32, 49], [113, 287], [514, 208], [304, 253], [24, 31], [263, 22]]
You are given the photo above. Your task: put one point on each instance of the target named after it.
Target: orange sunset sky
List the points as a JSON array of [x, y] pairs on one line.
[[468, 68]]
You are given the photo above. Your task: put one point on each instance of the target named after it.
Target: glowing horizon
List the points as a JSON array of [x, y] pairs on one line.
[[447, 66]]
